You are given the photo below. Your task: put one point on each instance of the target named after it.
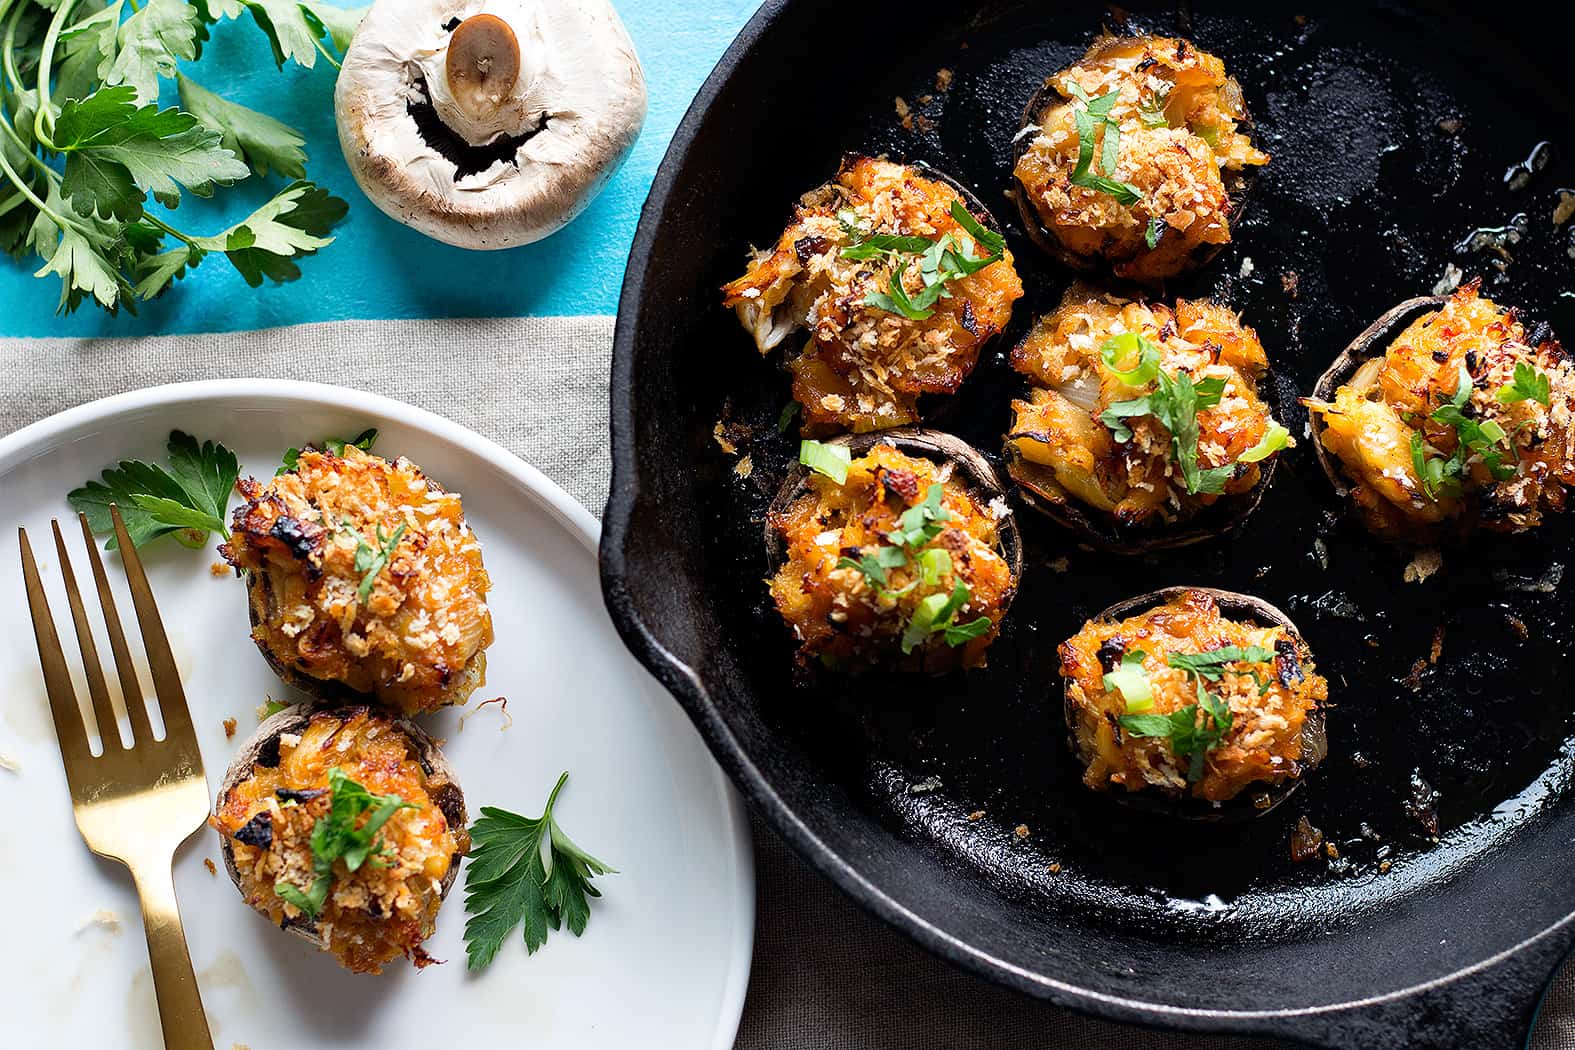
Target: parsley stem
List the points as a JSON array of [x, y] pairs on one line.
[[46, 58], [26, 191], [153, 220], [12, 76]]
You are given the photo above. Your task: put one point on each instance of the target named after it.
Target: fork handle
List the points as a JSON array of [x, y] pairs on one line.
[[180, 1003]]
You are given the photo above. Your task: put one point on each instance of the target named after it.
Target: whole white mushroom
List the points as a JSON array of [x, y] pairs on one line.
[[488, 123]]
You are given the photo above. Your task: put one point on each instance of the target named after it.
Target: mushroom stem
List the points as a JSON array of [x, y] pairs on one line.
[[483, 64]]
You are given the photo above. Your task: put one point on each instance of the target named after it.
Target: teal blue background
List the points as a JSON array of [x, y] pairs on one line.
[[377, 268]]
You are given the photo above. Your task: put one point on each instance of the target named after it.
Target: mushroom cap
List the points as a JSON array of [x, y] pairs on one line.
[[488, 162]]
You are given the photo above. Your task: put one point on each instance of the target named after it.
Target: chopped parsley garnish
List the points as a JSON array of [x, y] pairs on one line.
[[1131, 681], [1486, 439], [187, 499], [1176, 404], [1096, 112], [827, 459], [1528, 385], [934, 613], [785, 420], [370, 560], [1191, 738], [363, 441], [340, 835], [939, 261], [1156, 230], [525, 871], [1212, 664]]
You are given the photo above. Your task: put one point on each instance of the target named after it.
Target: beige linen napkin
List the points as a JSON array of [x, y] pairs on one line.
[[826, 976]]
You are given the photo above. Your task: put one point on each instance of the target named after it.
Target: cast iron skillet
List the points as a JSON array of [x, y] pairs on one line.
[[1399, 939]]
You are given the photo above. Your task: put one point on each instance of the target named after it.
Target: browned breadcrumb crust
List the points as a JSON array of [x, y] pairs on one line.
[[229, 728], [1369, 425], [417, 641], [864, 368], [1175, 165], [1264, 743], [1069, 452], [381, 911], [836, 614]]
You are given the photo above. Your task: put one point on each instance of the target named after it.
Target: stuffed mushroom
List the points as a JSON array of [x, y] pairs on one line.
[[345, 827], [364, 581], [1463, 421], [1135, 160], [1144, 425], [900, 276], [1189, 698], [893, 551]]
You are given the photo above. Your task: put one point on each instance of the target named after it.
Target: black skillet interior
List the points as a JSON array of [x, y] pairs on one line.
[[951, 805]]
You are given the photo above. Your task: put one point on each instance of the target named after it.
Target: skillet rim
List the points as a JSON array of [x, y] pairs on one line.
[[1484, 985]]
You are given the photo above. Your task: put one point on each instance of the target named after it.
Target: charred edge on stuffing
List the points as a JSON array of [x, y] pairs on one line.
[[1111, 653], [257, 832], [299, 795], [301, 537], [467, 159], [1286, 663]]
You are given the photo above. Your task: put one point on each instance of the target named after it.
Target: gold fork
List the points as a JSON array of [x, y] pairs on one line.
[[133, 804]]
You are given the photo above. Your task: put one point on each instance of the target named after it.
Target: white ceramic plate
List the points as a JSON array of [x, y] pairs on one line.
[[665, 959]]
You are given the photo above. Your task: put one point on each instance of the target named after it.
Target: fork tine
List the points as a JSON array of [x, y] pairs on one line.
[[98, 689], [130, 687], [166, 677], [69, 730]]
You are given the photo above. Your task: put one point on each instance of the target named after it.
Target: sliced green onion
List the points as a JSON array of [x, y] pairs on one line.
[[822, 458], [1273, 440], [1121, 347]]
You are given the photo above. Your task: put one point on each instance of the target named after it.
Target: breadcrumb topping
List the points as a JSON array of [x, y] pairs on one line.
[[1269, 701], [415, 637], [1058, 428], [837, 613], [864, 368], [1178, 116], [382, 910], [1379, 413]]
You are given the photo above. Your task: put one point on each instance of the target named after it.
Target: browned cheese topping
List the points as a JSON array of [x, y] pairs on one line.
[[414, 638], [1062, 447], [846, 620], [1269, 701], [1179, 116], [864, 367], [383, 910], [1411, 476]]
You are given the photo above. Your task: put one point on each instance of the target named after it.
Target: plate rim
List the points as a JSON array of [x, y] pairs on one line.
[[44, 435]]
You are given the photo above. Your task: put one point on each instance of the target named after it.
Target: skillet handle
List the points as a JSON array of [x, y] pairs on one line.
[[1493, 1008]]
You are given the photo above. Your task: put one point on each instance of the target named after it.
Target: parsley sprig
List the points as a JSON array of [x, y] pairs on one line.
[[940, 261], [1191, 738], [1175, 404], [1095, 113], [1444, 475], [86, 152], [341, 835], [524, 871], [187, 499]]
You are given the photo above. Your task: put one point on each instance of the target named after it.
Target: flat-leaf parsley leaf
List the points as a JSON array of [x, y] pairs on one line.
[[524, 871], [187, 499]]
